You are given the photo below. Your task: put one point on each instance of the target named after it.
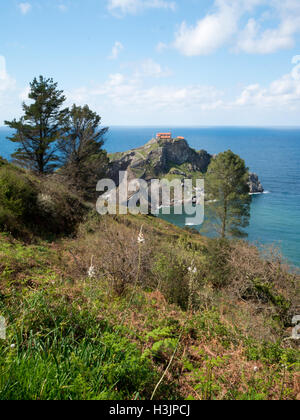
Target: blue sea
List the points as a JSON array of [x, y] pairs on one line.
[[273, 153]]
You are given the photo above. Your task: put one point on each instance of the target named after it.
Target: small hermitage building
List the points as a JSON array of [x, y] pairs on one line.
[[166, 136]]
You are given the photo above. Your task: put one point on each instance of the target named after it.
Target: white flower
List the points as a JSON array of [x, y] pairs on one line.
[[256, 369], [141, 238], [12, 346], [91, 271], [192, 270], [284, 366]]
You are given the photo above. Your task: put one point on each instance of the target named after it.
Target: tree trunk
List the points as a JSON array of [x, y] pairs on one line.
[[223, 233]]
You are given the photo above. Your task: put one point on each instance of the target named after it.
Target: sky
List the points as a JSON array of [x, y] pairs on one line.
[[157, 62]]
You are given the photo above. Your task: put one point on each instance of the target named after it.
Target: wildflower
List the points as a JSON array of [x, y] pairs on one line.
[[141, 238], [284, 366], [92, 270], [12, 346], [192, 270], [255, 369]]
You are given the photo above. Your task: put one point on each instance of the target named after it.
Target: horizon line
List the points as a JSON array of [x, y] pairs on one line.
[[190, 126]]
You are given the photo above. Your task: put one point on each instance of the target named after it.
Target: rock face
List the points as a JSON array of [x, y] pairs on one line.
[[157, 158], [255, 184]]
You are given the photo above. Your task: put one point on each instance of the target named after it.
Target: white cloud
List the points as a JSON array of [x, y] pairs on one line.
[[269, 28], [284, 92], [6, 81], [117, 48], [120, 92], [135, 6], [209, 34], [24, 94], [24, 8], [254, 40], [136, 96], [8, 96]]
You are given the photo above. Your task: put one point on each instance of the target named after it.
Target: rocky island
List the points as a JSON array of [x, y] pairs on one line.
[[167, 157], [255, 184]]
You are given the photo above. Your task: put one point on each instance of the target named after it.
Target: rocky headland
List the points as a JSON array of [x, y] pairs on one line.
[[169, 158]]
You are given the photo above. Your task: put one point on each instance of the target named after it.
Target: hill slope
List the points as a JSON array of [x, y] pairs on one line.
[[100, 315]]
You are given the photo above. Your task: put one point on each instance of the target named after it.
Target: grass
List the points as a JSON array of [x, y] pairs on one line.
[[115, 156], [114, 336]]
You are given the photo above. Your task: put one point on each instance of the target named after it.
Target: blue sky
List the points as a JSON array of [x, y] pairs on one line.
[[157, 62]]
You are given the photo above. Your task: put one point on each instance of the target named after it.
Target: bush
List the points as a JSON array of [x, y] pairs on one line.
[[58, 210], [265, 282], [218, 269], [171, 276], [17, 199], [40, 206]]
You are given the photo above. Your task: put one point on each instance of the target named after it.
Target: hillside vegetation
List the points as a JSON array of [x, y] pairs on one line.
[[131, 307]]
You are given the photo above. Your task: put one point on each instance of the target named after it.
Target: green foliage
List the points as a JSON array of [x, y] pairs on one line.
[[164, 347], [161, 332], [272, 353], [164, 343], [227, 187], [59, 210], [84, 160], [170, 272], [265, 292], [61, 367], [17, 198], [43, 206], [217, 268], [41, 126], [207, 386], [57, 349]]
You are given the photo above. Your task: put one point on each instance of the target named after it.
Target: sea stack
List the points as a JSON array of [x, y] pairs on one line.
[[255, 184]]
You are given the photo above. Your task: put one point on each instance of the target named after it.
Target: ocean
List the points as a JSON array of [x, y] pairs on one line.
[[273, 153]]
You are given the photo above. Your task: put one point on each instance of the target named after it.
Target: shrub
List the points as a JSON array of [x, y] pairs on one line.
[[58, 211], [115, 253], [170, 272], [17, 198], [266, 282], [43, 206], [218, 269]]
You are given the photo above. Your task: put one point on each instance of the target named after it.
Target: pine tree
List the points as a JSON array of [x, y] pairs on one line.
[[227, 187], [84, 161], [40, 127]]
